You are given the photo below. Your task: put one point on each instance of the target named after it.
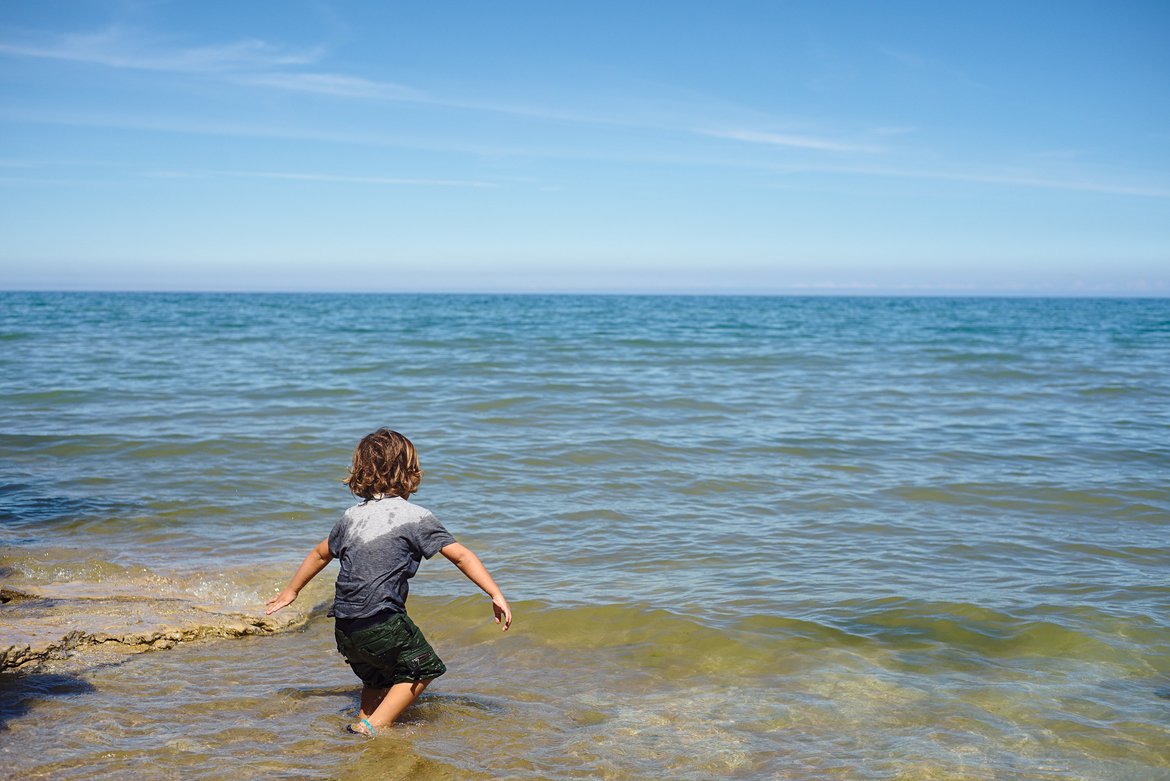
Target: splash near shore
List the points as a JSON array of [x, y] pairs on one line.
[[743, 537]]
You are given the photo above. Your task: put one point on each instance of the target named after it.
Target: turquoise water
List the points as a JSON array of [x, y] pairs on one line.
[[746, 537]]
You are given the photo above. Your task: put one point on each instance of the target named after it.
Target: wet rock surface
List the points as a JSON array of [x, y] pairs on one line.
[[43, 622]]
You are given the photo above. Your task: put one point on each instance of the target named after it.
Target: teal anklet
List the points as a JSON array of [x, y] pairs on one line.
[[373, 733]]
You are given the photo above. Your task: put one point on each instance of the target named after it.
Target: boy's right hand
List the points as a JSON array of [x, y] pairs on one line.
[[283, 599]]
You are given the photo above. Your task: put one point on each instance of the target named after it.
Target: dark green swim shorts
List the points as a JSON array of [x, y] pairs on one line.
[[390, 652]]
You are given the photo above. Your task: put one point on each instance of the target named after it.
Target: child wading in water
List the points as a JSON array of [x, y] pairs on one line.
[[380, 543]]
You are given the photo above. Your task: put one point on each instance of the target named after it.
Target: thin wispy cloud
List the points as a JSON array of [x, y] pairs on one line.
[[380, 139], [988, 178], [256, 63], [1056, 184], [54, 163], [324, 178], [357, 87], [260, 64], [247, 128], [791, 141], [120, 48], [333, 84]]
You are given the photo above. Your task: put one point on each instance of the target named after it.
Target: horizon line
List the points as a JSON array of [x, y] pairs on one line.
[[875, 292]]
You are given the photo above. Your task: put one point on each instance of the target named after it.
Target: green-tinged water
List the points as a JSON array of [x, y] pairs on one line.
[[744, 537]]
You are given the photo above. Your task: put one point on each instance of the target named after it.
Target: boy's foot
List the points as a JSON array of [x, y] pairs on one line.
[[363, 727]]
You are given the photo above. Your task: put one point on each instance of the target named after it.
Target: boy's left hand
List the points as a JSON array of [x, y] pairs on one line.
[[283, 599], [502, 611]]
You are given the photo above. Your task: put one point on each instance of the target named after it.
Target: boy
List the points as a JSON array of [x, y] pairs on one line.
[[380, 543]]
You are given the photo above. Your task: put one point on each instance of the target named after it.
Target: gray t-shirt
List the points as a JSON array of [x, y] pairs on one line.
[[380, 543]]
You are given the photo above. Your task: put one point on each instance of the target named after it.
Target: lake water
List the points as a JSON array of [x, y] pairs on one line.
[[743, 537]]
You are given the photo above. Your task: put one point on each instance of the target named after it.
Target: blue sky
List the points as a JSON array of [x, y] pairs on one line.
[[824, 147]]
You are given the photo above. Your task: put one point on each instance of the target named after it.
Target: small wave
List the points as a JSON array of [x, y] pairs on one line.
[[1113, 390], [978, 357], [30, 507], [716, 486], [949, 633], [594, 515], [647, 638], [309, 692], [60, 396], [507, 402], [1054, 499], [905, 624]]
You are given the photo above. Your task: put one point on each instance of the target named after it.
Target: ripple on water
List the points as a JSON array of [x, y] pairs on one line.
[[748, 537], [757, 698]]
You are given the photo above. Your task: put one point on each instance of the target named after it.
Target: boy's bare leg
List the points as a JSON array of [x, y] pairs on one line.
[[371, 698], [396, 699]]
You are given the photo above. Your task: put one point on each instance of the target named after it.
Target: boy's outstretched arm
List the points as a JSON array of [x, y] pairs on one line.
[[313, 563], [470, 565]]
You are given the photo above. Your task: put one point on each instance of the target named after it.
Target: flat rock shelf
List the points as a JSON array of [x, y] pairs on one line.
[[57, 621]]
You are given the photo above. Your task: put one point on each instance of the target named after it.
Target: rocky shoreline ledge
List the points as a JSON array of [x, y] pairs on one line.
[[44, 622]]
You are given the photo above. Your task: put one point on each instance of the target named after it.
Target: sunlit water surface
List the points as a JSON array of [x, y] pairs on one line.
[[744, 537]]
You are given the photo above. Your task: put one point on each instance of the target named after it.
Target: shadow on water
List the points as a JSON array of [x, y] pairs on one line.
[[19, 691], [452, 703], [307, 692]]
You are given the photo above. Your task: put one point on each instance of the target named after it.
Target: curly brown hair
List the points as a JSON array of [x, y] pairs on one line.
[[384, 463]]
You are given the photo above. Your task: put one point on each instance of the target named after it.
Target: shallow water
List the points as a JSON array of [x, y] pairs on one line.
[[745, 537]]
